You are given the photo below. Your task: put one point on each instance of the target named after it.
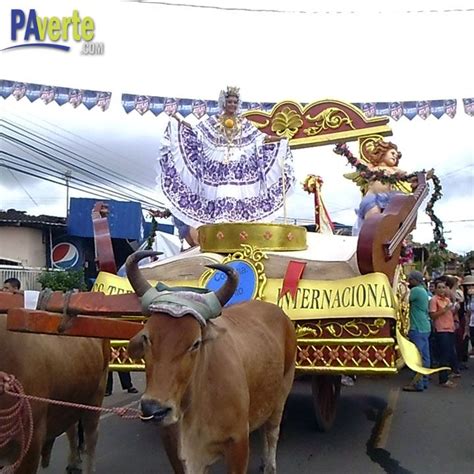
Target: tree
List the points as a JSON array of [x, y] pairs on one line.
[[468, 262], [58, 280], [437, 258]]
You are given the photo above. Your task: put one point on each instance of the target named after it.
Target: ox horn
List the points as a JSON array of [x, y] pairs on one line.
[[225, 293], [134, 275]]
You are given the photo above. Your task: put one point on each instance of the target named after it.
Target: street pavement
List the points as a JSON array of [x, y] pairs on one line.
[[379, 428]]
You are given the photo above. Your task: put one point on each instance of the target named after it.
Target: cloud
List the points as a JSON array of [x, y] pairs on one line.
[[418, 63]]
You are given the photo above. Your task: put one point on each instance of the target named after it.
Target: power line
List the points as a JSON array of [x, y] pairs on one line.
[[71, 154], [299, 12], [110, 153], [89, 185], [24, 189], [32, 172], [118, 188], [39, 171]]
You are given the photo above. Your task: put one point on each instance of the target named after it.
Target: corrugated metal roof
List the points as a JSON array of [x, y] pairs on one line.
[[20, 218]]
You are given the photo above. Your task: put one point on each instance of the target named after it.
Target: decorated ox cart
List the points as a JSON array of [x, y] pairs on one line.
[[345, 294]]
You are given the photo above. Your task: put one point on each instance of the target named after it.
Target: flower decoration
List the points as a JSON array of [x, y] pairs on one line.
[[348, 355], [290, 236], [364, 355], [318, 354], [220, 235], [406, 254], [243, 235], [333, 354], [312, 183], [380, 355], [267, 235], [151, 237], [304, 353]]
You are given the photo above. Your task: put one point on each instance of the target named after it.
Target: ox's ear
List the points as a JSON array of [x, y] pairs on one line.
[[212, 331], [136, 346]]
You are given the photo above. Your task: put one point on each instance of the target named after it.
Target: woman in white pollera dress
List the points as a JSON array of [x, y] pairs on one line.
[[223, 169]]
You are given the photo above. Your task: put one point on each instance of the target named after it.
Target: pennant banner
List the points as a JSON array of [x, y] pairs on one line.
[[60, 95], [195, 109]]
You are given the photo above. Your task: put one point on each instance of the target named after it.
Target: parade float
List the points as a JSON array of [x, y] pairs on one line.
[[345, 294]]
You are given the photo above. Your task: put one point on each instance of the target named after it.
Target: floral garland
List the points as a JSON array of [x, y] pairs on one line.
[[406, 255], [379, 175], [151, 237], [367, 173], [438, 231]]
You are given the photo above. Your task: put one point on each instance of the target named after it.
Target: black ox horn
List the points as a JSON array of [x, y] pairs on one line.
[[134, 275], [141, 285], [225, 293]]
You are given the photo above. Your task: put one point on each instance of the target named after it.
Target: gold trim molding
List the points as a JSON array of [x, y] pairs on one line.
[[229, 237], [347, 340], [337, 329]]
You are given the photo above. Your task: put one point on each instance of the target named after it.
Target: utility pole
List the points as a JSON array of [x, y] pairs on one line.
[[67, 176]]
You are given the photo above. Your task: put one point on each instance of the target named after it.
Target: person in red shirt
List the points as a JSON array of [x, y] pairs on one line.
[[442, 313]]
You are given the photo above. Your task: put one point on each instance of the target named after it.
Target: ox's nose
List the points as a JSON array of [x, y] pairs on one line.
[[153, 410]]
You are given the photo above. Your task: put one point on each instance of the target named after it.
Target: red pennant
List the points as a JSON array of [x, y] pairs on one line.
[[293, 275]]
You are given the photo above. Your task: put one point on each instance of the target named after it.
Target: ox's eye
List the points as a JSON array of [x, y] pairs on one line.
[[195, 346], [145, 339]]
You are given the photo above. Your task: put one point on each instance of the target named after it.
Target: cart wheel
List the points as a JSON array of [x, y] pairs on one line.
[[326, 390]]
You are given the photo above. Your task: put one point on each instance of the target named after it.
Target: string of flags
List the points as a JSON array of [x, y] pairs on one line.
[[196, 109], [61, 95]]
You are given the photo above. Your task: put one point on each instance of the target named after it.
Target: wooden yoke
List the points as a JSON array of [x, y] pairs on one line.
[[86, 303], [43, 322], [10, 300], [80, 305]]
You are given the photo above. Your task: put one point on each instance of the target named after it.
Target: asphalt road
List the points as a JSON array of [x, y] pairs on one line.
[[379, 428]]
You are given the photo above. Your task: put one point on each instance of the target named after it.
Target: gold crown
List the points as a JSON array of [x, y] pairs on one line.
[[232, 91]]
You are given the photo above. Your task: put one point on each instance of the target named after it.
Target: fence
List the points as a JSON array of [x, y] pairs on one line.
[[27, 276]]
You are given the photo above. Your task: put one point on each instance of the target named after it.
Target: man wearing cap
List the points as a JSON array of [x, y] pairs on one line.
[[420, 327]]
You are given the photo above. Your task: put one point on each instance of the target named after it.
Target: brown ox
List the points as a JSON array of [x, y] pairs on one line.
[[211, 385], [63, 368]]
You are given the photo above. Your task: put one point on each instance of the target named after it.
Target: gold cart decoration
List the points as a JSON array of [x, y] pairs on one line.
[[249, 264], [229, 237], [318, 123]]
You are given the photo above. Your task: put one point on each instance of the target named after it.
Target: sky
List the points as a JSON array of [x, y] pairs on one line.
[[407, 51]]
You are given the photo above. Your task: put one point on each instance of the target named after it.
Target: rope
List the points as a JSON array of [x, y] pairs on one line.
[[16, 422]]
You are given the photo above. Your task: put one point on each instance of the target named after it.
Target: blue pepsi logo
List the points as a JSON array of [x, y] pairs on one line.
[[65, 255]]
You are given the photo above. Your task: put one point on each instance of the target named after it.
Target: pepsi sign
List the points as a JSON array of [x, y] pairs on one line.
[[65, 256]]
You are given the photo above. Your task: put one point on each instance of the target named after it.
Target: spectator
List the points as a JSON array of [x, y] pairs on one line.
[[12, 285], [457, 298], [468, 286], [125, 381], [441, 312], [420, 327]]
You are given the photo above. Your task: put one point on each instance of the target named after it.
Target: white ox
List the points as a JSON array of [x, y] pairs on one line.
[[210, 385], [63, 368]]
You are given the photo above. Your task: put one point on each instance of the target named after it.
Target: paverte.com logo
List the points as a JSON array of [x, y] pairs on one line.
[[29, 30]]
